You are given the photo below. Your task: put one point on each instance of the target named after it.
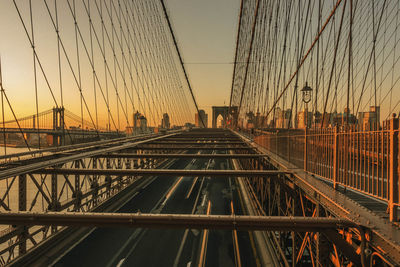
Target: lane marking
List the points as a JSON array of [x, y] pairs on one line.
[[146, 182], [235, 242], [253, 246], [191, 188], [178, 255], [172, 190], [139, 233], [120, 262], [203, 252], [144, 231]]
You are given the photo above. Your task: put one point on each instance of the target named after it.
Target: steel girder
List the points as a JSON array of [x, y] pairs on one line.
[[25, 191], [189, 221], [300, 194], [169, 172], [179, 156]]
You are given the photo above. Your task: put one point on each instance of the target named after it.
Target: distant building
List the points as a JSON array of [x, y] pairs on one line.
[[327, 117], [136, 117], [282, 118], [342, 119], [198, 121], [259, 120], [250, 120], [369, 120], [188, 126], [143, 124], [165, 123], [304, 119], [139, 125]]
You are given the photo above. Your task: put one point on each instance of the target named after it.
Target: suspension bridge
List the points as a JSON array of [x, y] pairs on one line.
[[53, 130], [304, 171]]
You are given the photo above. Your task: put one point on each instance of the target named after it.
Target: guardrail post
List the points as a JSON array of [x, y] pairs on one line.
[[394, 169], [54, 204], [22, 207], [288, 146], [305, 149], [335, 157], [78, 192]]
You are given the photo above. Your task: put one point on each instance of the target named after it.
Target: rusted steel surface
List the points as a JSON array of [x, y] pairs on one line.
[[280, 179], [210, 142], [383, 236], [366, 161], [228, 222], [205, 146], [68, 158], [176, 156]]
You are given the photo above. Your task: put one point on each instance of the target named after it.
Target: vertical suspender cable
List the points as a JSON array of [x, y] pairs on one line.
[[236, 52], [350, 56], [305, 56], [35, 73], [249, 55], [2, 111], [180, 58]]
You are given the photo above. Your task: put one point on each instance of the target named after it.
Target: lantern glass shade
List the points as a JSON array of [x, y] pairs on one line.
[[306, 93]]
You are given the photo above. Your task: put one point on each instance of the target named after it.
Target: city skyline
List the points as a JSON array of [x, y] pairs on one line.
[[199, 133], [199, 58], [207, 52]]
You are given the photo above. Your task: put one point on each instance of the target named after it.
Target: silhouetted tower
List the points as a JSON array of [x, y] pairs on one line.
[[58, 126]]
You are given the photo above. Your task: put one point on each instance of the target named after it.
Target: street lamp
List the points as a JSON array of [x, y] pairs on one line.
[[306, 93]]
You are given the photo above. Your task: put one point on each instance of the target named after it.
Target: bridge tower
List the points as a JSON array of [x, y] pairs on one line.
[[216, 111], [232, 120], [58, 126]]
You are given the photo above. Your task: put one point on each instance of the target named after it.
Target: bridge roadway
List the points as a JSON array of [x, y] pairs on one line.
[[171, 247], [284, 191]]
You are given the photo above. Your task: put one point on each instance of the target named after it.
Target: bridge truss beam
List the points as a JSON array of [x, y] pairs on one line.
[[204, 147], [80, 183], [192, 156], [300, 194], [169, 172], [188, 221]]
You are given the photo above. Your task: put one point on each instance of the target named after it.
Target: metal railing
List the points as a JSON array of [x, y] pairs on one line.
[[22, 190], [366, 161]]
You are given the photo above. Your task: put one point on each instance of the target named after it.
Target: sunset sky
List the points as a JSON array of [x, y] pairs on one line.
[[205, 30]]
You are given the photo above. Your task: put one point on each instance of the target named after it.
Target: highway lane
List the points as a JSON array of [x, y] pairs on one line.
[[165, 243], [99, 247], [170, 247], [221, 246]]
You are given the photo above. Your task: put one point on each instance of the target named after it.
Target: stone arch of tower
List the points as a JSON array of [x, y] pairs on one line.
[[216, 111]]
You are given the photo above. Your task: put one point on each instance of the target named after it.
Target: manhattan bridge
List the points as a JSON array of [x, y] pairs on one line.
[[102, 164]]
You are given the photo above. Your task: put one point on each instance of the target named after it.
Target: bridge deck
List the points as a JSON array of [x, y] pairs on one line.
[[353, 206], [115, 165]]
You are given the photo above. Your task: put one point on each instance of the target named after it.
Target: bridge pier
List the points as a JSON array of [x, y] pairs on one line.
[[58, 126]]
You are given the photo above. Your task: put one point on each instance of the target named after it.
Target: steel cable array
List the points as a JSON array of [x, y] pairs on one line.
[[104, 60], [345, 50]]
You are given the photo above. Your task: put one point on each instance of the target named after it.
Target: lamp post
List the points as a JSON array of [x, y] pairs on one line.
[[307, 96]]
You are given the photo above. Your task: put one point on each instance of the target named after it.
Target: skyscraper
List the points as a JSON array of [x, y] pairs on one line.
[[165, 123], [204, 116]]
